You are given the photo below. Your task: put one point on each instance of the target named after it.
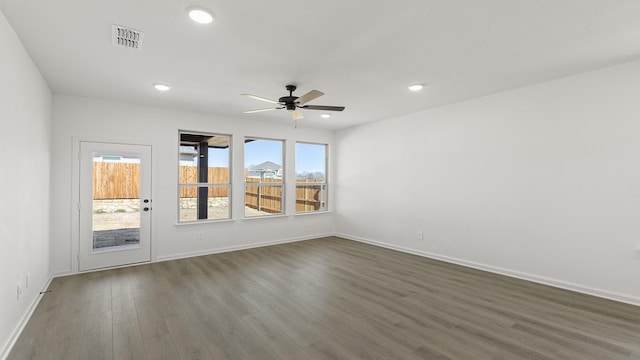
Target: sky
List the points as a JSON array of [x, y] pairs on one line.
[[258, 151], [218, 157], [309, 157]]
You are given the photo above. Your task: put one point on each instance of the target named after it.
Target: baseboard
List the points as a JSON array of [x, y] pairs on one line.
[[15, 334], [239, 247], [502, 271]]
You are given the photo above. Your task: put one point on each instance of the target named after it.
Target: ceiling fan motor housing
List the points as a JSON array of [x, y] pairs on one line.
[[288, 102]]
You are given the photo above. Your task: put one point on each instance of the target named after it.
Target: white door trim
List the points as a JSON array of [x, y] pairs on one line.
[[75, 194]]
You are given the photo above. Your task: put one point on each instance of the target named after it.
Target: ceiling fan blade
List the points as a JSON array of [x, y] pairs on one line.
[[260, 98], [261, 110], [296, 115], [313, 94], [323, 107]]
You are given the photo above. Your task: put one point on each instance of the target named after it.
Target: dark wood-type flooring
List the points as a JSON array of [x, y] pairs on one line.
[[327, 298]]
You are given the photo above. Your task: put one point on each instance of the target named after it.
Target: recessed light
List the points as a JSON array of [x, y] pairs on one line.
[[162, 87], [200, 15], [325, 116], [416, 87]]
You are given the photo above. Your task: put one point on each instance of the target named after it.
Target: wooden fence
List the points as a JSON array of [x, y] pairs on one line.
[[189, 174], [269, 198], [263, 198], [119, 181], [309, 197], [116, 180]]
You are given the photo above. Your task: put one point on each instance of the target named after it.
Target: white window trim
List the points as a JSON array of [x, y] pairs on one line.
[[325, 183], [229, 182], [283, 184]]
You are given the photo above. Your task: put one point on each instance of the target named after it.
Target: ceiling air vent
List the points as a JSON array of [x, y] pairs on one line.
[[122, 36]]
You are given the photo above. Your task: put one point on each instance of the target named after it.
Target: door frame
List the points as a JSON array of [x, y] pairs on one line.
[[74, 255]]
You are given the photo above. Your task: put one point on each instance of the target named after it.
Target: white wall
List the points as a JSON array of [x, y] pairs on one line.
[[25, 133], [90, 119], [541, 182]]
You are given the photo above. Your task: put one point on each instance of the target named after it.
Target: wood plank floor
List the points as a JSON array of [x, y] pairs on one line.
[[327, 298]]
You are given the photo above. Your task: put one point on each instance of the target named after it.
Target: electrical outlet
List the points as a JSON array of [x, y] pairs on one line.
[[420, 235], [18, 292], [27, 278]]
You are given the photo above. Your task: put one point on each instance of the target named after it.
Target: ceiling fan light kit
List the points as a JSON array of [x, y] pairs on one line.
[[293, 103]]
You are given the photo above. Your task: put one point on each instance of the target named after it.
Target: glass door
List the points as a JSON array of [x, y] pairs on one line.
[[115, 205]]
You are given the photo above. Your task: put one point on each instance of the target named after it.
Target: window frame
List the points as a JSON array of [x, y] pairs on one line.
[[324, 185], [260, 184], [209, 185]]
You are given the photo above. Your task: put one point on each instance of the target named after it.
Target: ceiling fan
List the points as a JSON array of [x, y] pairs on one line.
[[293, 103]]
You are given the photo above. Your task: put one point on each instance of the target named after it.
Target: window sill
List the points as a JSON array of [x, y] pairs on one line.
[[252, 218], [187, 223], [265, 217], [313, 213]]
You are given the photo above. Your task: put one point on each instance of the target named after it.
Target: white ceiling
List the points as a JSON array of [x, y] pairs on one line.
[[363, 54]]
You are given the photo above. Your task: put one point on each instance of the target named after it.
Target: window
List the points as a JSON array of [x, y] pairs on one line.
[[311, 178], [204, 181], [263, 177]]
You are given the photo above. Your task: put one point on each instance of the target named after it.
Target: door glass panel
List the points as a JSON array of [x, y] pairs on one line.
[[116, 200]]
